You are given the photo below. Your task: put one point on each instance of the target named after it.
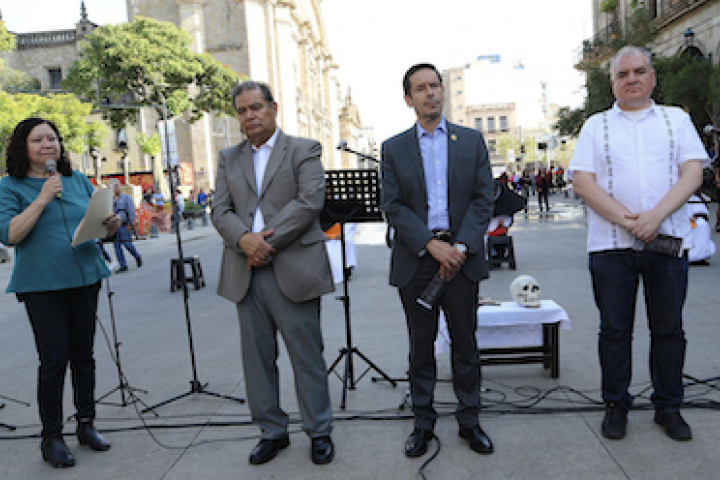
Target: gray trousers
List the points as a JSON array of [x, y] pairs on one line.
[[263, 312]]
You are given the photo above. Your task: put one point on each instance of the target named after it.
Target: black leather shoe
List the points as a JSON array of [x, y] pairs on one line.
[[87, 435], [267, 449], [478, 440], [122, 269], [56, 453], [138, 260], [674, 425], [615, 422], [417, 443], [323, 450]]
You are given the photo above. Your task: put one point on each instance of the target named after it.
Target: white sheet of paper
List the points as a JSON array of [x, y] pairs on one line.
[[91, 226]]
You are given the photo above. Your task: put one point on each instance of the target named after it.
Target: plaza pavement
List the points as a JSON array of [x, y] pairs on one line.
[[205, 437]]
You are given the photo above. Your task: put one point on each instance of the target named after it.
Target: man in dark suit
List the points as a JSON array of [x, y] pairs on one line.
[[437, 193], [269, 192]]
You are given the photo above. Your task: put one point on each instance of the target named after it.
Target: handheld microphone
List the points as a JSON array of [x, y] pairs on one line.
[[709, 130], [51, 168]]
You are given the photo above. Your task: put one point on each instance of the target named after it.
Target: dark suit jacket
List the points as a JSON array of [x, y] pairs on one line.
[[470, 199], [292, 196]]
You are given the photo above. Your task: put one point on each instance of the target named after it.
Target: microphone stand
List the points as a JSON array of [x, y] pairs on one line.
[[196, 387]]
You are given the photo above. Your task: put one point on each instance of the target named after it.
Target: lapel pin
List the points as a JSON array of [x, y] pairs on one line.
[[453, 137]]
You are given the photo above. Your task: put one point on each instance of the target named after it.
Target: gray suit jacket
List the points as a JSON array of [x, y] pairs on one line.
[[470, 199], [292, 196]]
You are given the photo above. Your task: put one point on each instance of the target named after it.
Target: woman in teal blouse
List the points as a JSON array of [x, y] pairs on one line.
[[59, 284]]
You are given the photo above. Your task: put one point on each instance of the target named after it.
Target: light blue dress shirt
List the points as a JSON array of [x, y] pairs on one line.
[[434, 152]]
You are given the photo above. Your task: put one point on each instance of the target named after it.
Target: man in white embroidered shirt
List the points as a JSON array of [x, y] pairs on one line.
[[635, 166]]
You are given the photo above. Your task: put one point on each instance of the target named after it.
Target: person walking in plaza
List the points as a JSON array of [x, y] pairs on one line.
[[543, 188], [438, 195], [270, 190], [58, 283], [635, 165], [123, 206]]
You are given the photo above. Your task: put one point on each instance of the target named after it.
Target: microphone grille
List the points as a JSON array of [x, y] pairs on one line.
[[51, 166]]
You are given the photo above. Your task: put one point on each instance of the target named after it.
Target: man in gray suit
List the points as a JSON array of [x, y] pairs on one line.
[[437, 193], [269, 192]]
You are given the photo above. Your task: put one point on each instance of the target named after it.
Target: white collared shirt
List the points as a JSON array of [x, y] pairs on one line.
[[636, 160], [261, 155]]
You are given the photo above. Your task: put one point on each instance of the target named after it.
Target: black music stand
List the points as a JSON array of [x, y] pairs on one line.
[[351, 196]]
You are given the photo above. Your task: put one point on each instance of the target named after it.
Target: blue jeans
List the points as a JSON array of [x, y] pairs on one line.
[[615, 276], [124, 238]]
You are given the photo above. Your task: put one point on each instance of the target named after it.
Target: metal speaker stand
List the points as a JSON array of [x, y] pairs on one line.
[[351, 195], [196, 387], [127, 393]]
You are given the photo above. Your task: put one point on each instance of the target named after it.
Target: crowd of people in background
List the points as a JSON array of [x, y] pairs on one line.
[[540, 182]]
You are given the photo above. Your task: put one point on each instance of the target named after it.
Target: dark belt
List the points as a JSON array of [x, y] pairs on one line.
[[443, 235]]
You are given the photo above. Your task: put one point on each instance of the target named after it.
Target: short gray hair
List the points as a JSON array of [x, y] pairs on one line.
[[252, 85], [629, 50]]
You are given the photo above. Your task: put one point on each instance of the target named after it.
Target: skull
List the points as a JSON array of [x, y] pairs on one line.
[[525, 291]]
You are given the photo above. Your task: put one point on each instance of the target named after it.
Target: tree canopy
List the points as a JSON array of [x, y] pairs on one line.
[[64, 110], [138, 62]]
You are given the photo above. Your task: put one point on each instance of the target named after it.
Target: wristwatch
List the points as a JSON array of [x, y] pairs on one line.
[[461, 247]]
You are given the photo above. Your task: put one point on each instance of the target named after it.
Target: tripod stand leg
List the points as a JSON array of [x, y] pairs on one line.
[[376, 368], [5, 425]]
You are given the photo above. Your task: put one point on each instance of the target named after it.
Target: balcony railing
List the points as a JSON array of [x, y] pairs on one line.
[[42, 39]]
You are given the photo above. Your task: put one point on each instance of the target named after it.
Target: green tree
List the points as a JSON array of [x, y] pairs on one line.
[[64, 110], [7, 39], [140, 61]]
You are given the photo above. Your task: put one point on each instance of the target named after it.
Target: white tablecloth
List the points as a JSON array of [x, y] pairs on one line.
[[508, 325]]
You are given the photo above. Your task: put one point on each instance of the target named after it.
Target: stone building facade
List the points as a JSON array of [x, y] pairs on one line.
[[684, 25], [280, 42], [499, 99]]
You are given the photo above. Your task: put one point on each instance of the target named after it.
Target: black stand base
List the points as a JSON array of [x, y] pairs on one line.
[[127, 396], [12, 428], [348, 378], [195, 387], [5, 425]]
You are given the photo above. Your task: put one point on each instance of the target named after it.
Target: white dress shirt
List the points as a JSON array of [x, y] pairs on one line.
[[636, 160], [261, 155]]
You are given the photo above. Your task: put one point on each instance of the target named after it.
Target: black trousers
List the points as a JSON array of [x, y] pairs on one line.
[[459, 302], [63, 322], [543, 197]]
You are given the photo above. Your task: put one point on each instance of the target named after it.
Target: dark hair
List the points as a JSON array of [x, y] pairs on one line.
[[415, 68], [17, 161], [252, 85]]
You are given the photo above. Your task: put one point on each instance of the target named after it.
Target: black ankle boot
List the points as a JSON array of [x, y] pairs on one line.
[[87, 435], [55, 452]]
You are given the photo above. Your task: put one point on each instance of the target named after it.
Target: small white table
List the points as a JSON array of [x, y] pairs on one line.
[[509, 334]]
